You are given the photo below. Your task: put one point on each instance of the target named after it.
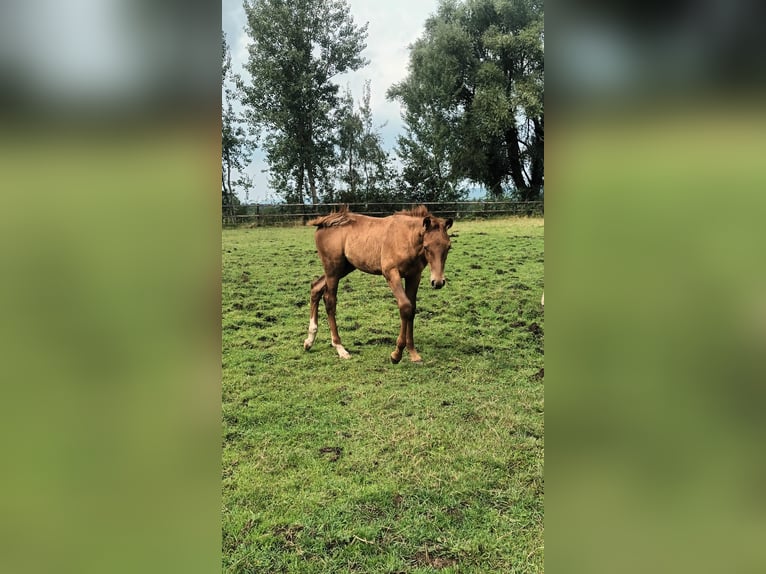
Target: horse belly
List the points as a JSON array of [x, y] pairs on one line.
[[365, 256]]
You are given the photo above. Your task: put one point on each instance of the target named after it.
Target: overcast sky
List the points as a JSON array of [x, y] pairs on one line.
[[393, 26]]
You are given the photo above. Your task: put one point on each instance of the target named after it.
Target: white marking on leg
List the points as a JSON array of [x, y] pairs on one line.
[[342, 353], [312, 335]]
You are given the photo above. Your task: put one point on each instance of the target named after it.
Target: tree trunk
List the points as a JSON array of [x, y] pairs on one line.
[[538, 159], [224, 194], [230, 199], [228, 183], [496, 189], [312, 183], [514, 160], [299, 183], [351, 169], [309, 150]]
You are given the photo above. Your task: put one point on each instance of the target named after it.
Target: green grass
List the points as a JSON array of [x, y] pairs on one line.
[[365, 466]]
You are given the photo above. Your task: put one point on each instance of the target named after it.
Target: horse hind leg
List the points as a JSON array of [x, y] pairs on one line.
[[330, 302], [318, 288]]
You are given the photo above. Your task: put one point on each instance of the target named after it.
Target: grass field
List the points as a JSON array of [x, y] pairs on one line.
[[359, 465]]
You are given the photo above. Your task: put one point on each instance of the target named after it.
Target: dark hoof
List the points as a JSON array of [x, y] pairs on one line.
[[394, 360]]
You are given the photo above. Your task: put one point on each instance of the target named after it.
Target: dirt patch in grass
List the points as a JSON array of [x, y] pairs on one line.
[[288, 532], [423, 558], [332, 453]]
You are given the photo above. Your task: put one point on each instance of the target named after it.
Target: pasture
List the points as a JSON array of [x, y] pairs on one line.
[[359, 465]]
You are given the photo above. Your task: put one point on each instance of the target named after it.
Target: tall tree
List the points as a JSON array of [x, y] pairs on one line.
[[378, 174], [349, 126], [236, 147], [473, 98], [298, 47], [425, 152], [365, 169]]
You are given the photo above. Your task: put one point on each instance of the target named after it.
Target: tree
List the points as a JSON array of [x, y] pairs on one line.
[[298, 47], [365, 168], [474, 97], [378, 174], [348, 141], [424, 151], [236, 147]]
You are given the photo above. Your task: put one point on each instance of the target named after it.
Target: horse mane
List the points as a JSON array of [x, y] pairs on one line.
[[419, 211], [344, 217], [334, 219]]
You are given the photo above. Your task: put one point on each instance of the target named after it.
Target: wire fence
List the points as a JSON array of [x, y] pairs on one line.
[[265, 214]]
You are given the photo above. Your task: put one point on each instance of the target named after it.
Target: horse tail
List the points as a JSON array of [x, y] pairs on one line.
[[333, 219]]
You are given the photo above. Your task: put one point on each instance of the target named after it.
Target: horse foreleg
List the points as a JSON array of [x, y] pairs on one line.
[[405, 313], [317, 290], [411, 285], [330, 301]]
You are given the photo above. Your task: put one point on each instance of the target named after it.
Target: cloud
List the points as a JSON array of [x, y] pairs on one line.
[[393, 26]]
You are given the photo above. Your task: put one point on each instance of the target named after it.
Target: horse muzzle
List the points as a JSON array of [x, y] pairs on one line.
[[438, 284]]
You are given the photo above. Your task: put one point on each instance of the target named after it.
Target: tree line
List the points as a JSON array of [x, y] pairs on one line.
[[472, 105]]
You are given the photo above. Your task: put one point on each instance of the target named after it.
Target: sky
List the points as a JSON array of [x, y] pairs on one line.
[[393, 26]]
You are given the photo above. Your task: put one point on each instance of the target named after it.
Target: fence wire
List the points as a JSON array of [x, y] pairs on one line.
[[264, 214]]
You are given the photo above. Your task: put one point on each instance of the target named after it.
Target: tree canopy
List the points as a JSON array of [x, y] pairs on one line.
[[473, 98], [472, 104], [297, 48]]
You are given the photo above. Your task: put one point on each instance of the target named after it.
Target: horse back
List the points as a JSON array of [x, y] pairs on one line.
[[362, 242]]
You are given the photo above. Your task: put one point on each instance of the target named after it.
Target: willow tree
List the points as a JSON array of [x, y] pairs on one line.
[[298, 47], [473, 98]]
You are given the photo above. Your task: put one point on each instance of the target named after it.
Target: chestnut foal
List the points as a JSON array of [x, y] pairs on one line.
[[398, 247]]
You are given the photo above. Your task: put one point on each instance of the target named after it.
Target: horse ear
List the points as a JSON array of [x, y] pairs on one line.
[[448, 224], [427, 223]]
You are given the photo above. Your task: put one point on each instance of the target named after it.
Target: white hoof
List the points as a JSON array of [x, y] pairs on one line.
[[342, 353]]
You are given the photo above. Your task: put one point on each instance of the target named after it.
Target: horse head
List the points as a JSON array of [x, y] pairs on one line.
[[436, 246]]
